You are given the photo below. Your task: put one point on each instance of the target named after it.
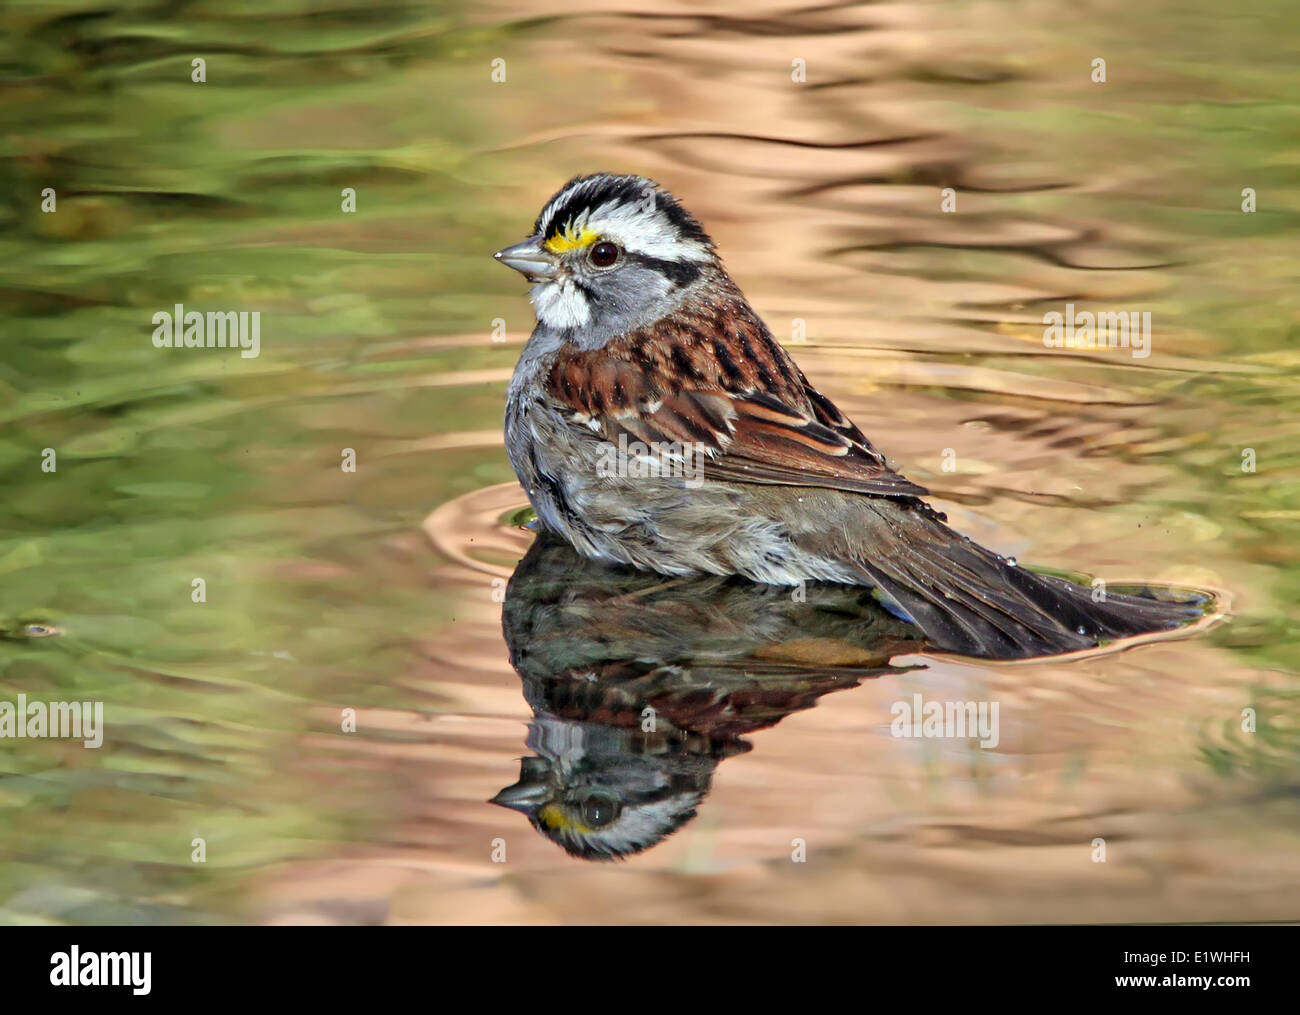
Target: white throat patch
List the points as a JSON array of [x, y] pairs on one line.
[[560, 304]]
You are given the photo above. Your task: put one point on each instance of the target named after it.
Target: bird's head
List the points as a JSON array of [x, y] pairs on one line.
[[609, 254], [600, 793]]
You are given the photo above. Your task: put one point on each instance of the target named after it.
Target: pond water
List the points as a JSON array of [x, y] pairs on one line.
[[815, 144]]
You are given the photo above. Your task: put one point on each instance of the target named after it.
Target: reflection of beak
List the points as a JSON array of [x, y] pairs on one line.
[[522, 797], [529, 258]]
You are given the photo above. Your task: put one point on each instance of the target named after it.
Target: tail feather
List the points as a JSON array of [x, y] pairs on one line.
[[970, 601]]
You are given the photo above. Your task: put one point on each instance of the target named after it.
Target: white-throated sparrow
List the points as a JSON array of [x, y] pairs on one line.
[[653, 420]]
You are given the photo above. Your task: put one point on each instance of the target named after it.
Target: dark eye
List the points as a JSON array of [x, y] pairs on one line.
[[604, 254], [597, 812]]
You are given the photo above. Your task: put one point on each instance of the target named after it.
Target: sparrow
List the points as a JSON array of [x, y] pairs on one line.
[[640, 685], [653, 420]]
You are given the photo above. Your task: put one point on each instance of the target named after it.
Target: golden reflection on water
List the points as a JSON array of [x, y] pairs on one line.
[[926, 329]]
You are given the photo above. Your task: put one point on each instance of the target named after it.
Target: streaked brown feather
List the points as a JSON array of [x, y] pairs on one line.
[[714, 376]]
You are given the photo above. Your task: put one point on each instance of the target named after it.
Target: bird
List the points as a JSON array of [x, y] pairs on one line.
[[653, 420], [640, 685]]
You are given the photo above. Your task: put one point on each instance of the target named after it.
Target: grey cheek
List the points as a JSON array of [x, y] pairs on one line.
[[626, 299]]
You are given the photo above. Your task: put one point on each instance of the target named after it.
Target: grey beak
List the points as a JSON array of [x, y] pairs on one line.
[[529, 258], [522, 797]]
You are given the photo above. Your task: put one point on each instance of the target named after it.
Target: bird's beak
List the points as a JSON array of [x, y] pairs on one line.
[[522, 797], [529, 258]]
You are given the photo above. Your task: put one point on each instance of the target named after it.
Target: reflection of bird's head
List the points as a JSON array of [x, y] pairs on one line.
[[600, 793]]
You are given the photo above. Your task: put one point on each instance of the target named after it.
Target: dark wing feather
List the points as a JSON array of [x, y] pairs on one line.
[[772, 443], [754, 438]]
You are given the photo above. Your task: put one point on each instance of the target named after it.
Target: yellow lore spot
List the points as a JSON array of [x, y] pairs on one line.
[[569, 239], [555, 819]]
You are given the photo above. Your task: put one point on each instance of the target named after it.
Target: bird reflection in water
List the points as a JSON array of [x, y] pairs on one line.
[[641, 684]]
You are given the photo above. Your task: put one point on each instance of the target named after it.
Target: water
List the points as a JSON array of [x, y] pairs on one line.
[[380, 590]]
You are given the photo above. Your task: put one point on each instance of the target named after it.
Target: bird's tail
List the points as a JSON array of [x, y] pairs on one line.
[[970, 601]]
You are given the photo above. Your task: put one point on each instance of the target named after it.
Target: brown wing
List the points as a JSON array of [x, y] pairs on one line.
[[717, 379]]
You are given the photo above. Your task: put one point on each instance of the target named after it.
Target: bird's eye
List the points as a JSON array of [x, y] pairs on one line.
[[604, 254], [597, 811]]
